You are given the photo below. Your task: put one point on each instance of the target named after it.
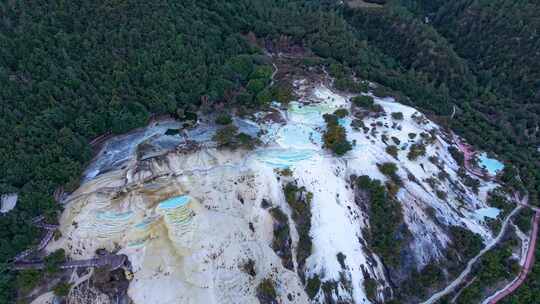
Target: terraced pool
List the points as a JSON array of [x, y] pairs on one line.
[[492, 165]]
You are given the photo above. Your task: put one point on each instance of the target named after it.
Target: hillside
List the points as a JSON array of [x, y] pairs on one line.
[[74, 72]]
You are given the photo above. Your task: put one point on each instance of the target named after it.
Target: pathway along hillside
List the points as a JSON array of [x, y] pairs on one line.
[[437, 296], [529, 262]]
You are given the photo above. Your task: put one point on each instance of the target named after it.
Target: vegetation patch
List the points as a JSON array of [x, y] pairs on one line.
[[300, 202], [62, 289], [343, 80], [390, 170], [416, 150], [386, 234], [313, 286], [397, 115], [495, 266], [224, 119], [392, 150], [370, 286], [266, 291], [249, 267], [466, 242], [229, 137], [28, 280], [341, 113], [282, 237], [54, 260], [363, 101], [335, 136]]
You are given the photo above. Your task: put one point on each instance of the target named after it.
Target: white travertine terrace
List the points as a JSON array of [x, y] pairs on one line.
[[192, 250]]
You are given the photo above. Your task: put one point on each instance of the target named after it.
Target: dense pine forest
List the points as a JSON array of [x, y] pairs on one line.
[[73, 70]]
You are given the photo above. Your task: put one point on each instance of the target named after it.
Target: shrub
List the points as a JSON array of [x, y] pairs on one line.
[[335, 139], [376, 108], [300, 202], [457, 155], [397, 115], [224, 119], [281, 243], [370, 286], [244, 98], [53, 261], [285, 172], [28, 279], [389, 169], [249, 267], [246, 141], [226, 135], [262, 72], [392, 150], [346, 83], [313, 286], [441, 194], [468, 242], [281, 92], [416, 150], [62, 289], [266, 292], [254, 86], [363, 101], [357, 124], [341, 259], [341, 113], [264, 97], [330, 119]]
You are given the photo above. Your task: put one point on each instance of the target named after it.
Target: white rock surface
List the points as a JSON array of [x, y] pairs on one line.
[[195, 254]]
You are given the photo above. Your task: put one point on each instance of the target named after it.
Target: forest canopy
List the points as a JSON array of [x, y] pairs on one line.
[[73, 70]]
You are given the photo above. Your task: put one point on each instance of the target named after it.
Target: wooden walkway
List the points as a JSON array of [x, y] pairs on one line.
[[38, 222], [112, 261]]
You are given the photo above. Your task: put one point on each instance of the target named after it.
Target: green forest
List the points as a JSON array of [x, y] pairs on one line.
[[73, 70]]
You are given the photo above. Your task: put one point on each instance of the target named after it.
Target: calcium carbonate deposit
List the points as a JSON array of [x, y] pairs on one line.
[[189, 221]]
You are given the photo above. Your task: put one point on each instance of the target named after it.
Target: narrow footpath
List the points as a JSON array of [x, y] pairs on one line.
[[525, 270], [437, 296]]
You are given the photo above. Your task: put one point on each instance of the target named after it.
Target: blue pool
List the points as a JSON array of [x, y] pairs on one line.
[[298, 136], [493, 166], [114, 216], [174, 202], [489, 212], [284, 158]]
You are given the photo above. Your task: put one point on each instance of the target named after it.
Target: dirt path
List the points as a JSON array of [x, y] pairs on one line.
[[437, 296], [529, 262], [468, 155]]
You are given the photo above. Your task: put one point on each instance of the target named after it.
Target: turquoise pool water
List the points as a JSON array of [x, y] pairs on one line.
[[489, 212], [174, 202], [145, 223], [284, 158], [114, 216], [298, 136], [493, 166], [311, 114], [344, 122]]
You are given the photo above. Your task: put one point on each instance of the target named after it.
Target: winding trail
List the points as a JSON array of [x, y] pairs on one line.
[[525, 270], [468, 155], [437, 296]]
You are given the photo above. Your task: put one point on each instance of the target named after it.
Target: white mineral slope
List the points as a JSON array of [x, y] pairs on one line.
[[195, 253]]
